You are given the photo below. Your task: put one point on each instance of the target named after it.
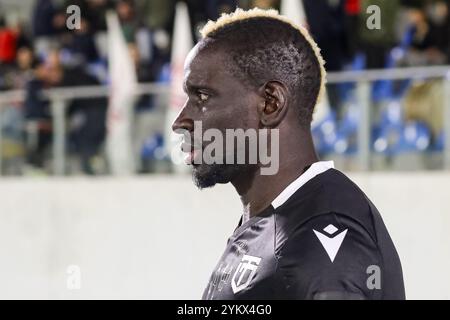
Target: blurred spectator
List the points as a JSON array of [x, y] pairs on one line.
[[326, 22], [440, 19], [96, 13], [42, 21], [23, 69], [430, 42], [87, 120], [94, 16], [36, 109], [12, 121], [81, 45], [42, 26], [8, 42], [86, 116], [29, 59], [198, 16], [352, 10], [423, 102], [157, 14], [430, 34], [126, 12], [22, 38]]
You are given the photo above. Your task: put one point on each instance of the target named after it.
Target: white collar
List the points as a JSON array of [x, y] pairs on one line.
[[315, 169]]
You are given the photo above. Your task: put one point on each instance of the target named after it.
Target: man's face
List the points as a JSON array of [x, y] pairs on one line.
[[219, 101]]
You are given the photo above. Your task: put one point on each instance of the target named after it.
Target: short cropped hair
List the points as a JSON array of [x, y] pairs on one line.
[[263, 46]]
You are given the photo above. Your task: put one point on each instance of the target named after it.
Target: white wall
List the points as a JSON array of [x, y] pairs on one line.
[[159, 237]]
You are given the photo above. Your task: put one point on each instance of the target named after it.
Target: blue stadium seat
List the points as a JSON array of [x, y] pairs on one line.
[[393, 136], [324, 134], [153, 148]]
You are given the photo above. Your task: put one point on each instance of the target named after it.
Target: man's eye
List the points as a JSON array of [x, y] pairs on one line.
[[203, 96]]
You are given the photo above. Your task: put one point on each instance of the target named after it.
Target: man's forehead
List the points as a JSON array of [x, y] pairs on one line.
[[203, 63], [203, 52], [191, 56]]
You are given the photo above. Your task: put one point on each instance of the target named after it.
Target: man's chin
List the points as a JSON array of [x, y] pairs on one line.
[[207, 176]]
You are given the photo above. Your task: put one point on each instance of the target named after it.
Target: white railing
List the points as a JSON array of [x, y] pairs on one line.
[[59, 98]]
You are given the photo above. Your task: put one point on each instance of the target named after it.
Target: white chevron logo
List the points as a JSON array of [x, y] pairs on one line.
[[331, 244]]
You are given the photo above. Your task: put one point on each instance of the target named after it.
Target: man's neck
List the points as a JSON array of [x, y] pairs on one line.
[[258, 191]]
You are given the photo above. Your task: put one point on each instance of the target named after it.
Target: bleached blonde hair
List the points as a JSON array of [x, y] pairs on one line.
[[240, 15]]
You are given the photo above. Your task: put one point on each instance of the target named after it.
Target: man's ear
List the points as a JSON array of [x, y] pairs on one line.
[[274, 106]]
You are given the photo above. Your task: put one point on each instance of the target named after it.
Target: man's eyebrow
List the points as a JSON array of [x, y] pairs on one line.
[[192, 87]]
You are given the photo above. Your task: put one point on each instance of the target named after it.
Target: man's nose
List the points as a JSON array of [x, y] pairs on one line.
[[183, 122]]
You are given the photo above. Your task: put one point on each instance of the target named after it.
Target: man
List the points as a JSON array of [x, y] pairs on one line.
[[307, 232]]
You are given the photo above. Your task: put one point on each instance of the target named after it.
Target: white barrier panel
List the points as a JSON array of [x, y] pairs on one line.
[[159, 238]]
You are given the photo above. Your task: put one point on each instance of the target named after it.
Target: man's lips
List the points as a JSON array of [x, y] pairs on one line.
[[192, 152]]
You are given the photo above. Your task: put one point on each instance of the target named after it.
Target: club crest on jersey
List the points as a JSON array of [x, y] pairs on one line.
[[245, 272], [331, 243]]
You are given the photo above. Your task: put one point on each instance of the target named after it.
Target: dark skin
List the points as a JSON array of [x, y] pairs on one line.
[[222, 101]]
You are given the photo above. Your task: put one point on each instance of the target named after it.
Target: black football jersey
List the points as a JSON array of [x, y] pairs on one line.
[[321, 238]]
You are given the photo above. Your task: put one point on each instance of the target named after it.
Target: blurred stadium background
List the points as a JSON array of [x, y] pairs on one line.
[[89, 181]]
